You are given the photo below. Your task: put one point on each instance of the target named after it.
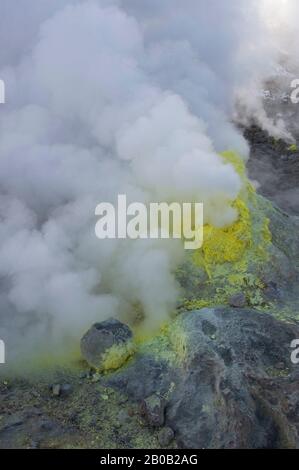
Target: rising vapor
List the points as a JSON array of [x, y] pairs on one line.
[[107, 98]]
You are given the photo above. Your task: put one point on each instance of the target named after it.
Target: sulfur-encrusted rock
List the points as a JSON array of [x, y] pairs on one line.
[[107, 345]]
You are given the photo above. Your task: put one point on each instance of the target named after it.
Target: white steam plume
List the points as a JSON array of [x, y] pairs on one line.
[[106, 98]]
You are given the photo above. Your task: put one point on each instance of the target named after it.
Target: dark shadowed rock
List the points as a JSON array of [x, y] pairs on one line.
[[275, 166], [56, 390], [143, 377], [231, 392], [231, 385], [165, 436], [107, 345], [153, 410], [238, 300]]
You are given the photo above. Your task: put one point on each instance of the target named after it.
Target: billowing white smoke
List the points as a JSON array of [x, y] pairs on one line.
[[278, 44], [105, 98]]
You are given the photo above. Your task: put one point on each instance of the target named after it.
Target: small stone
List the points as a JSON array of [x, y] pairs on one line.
[[96, 377], [238, 300], [56, 390], [105, 397], [153, 410], [66, 389], [131, 412], [280, 366], [165, 436]]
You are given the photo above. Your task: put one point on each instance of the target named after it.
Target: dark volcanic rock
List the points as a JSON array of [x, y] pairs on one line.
[[233, 384], [238, 300], [101, 337], [232, 394], [153, 410], [145, 376], [276, 168], [165, 436]]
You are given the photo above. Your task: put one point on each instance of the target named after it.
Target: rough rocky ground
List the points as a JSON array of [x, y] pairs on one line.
[[219, 377], [238, 382], [85, 414], [230, 383], [274, 165]]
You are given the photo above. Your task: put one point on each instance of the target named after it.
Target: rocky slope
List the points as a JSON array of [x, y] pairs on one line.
[[220, 375], [274, 164]]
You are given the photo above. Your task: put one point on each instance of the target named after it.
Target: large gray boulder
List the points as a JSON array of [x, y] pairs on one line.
[[107, 345], [230, 383], [238, 388]]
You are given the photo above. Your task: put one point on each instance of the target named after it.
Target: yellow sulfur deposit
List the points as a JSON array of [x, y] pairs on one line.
[[231, 256], [117, 355], [229, 243]]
